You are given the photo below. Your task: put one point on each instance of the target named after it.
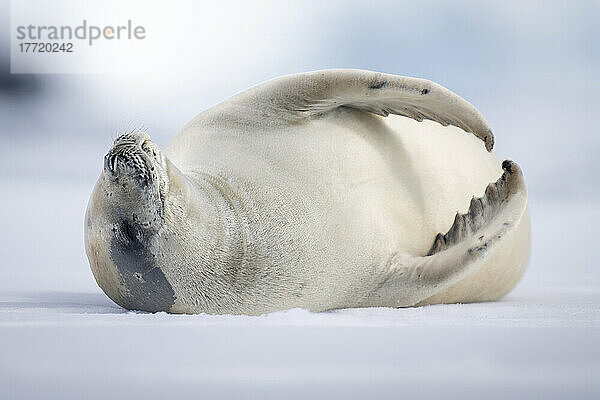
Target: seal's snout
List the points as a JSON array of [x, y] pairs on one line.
[[133, 155], [135, 182]]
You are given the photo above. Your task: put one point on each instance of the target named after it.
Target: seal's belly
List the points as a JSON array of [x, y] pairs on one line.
[[393, 177], [347, 192]]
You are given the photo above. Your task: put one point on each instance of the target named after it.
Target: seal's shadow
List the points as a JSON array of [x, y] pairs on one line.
[[66, 302]]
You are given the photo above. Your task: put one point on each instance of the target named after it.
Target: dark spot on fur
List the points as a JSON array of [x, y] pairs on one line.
[[424, 91], [148, 287], [378, 85]]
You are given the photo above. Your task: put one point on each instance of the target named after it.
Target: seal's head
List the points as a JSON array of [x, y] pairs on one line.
[[124, 220], [136, 171]]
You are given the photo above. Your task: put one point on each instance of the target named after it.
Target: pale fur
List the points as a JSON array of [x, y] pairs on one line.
[[266, 214]]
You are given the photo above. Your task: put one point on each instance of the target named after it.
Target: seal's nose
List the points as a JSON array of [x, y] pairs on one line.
[[124, 144], [132, 155], [109, 162]]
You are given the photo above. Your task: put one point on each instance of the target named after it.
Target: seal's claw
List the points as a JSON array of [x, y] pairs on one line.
[[482, 209]]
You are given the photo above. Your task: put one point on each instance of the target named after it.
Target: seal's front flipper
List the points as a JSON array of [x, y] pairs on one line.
[[406, 280], [303, 97]]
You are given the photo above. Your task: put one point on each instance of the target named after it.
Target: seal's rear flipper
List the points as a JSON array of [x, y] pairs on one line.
[[472, 238]]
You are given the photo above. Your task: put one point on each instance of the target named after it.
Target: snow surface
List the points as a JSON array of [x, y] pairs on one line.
[[61, 337]]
